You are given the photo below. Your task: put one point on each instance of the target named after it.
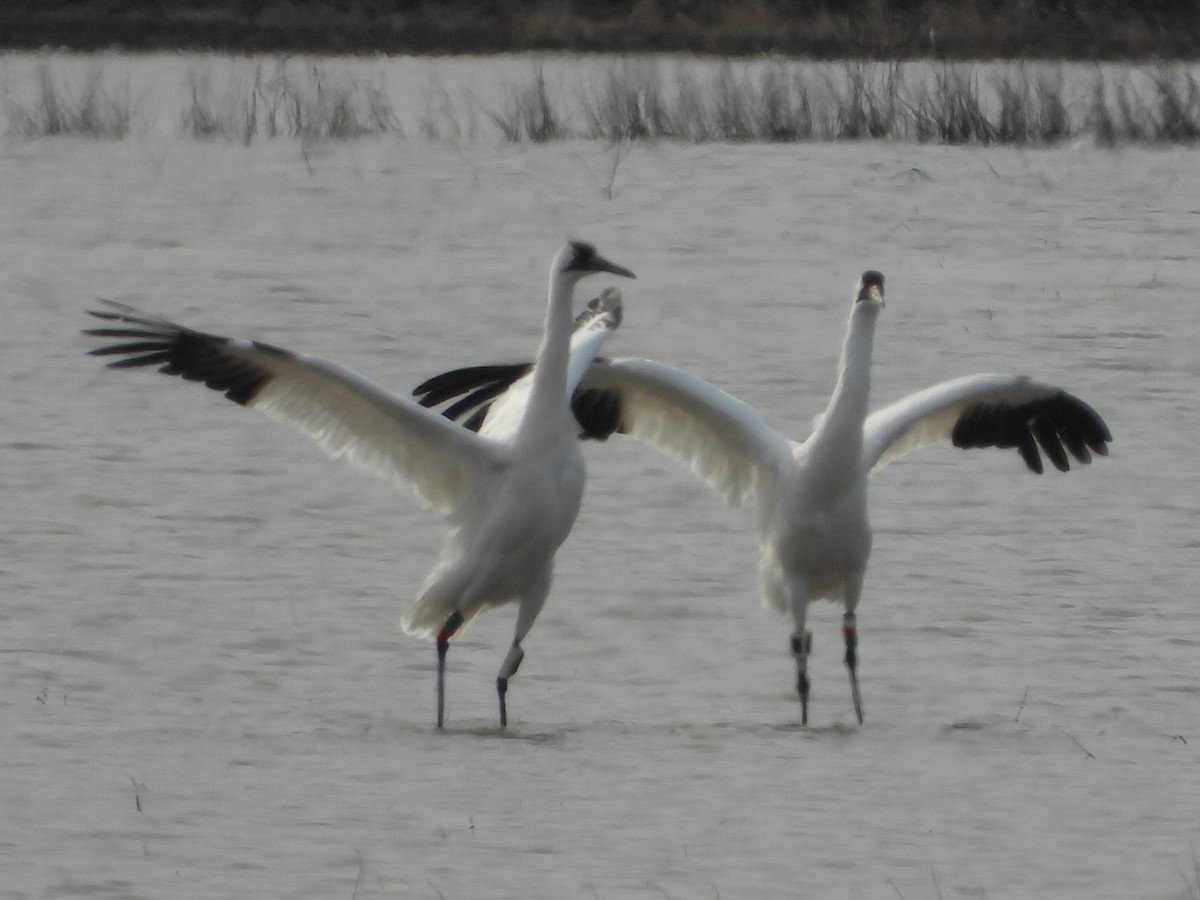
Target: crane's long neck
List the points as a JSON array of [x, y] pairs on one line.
[[548, 401], [842, 423]]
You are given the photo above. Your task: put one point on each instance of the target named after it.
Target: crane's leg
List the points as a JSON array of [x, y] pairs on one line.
[[797, 594], [443, 644], [512, 662], [531, 604], [850, 633], [801, 649]]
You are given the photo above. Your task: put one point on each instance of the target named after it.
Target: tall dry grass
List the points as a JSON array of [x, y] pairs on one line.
[[311, 105], [87, 107], [647, 99]]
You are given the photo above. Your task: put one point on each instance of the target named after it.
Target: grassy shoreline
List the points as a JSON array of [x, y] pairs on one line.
[[618, 100], [862, 29]]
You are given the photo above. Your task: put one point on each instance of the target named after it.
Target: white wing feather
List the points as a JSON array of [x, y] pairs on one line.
[[928, 416], [352, 418], [720, 438]]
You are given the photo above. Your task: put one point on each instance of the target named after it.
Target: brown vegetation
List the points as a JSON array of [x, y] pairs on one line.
[[1015, 104], [823, 29]]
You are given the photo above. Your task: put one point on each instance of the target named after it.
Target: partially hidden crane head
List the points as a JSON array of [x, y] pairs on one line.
[[579, 258], [607, 307], [870, 288]]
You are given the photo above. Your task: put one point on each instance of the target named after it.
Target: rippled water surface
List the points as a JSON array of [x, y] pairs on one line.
[[203, 691]]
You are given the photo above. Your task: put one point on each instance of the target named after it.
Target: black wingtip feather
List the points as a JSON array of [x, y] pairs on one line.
[[131, 347], [475, 421], [1061, 424], [597, 412], [456, 382], [1029, 452], [158, 358], [175, 350], [480, 398], [1047, 438]]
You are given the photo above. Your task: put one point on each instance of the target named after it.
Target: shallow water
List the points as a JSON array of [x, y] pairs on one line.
[[204, 689]]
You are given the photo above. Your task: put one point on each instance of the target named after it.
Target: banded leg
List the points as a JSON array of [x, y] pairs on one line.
[[443, 644], [797, 591], [512, 662], [527, 612], [801, 649], [530, 605], [850, 633]]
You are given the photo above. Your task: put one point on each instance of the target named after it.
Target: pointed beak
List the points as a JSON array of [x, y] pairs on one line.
[[599, 264], [871, 292]]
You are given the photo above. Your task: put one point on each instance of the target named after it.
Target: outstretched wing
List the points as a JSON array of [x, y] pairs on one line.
[[349, 416], [989, 411], [720, 438]]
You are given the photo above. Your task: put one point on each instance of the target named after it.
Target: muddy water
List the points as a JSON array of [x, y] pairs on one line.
[[204, 692]]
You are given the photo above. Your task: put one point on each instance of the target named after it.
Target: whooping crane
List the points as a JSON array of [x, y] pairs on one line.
[[509, 497], [813, 528]]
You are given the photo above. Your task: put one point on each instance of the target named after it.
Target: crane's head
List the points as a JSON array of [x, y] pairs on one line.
[[606, 307], [870, 288], [579, 258]]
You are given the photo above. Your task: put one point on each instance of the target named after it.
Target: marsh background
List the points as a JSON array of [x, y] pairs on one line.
[[204, 692]]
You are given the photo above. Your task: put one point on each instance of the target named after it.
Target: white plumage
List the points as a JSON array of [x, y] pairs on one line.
[[813, 527], [509, 497]]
